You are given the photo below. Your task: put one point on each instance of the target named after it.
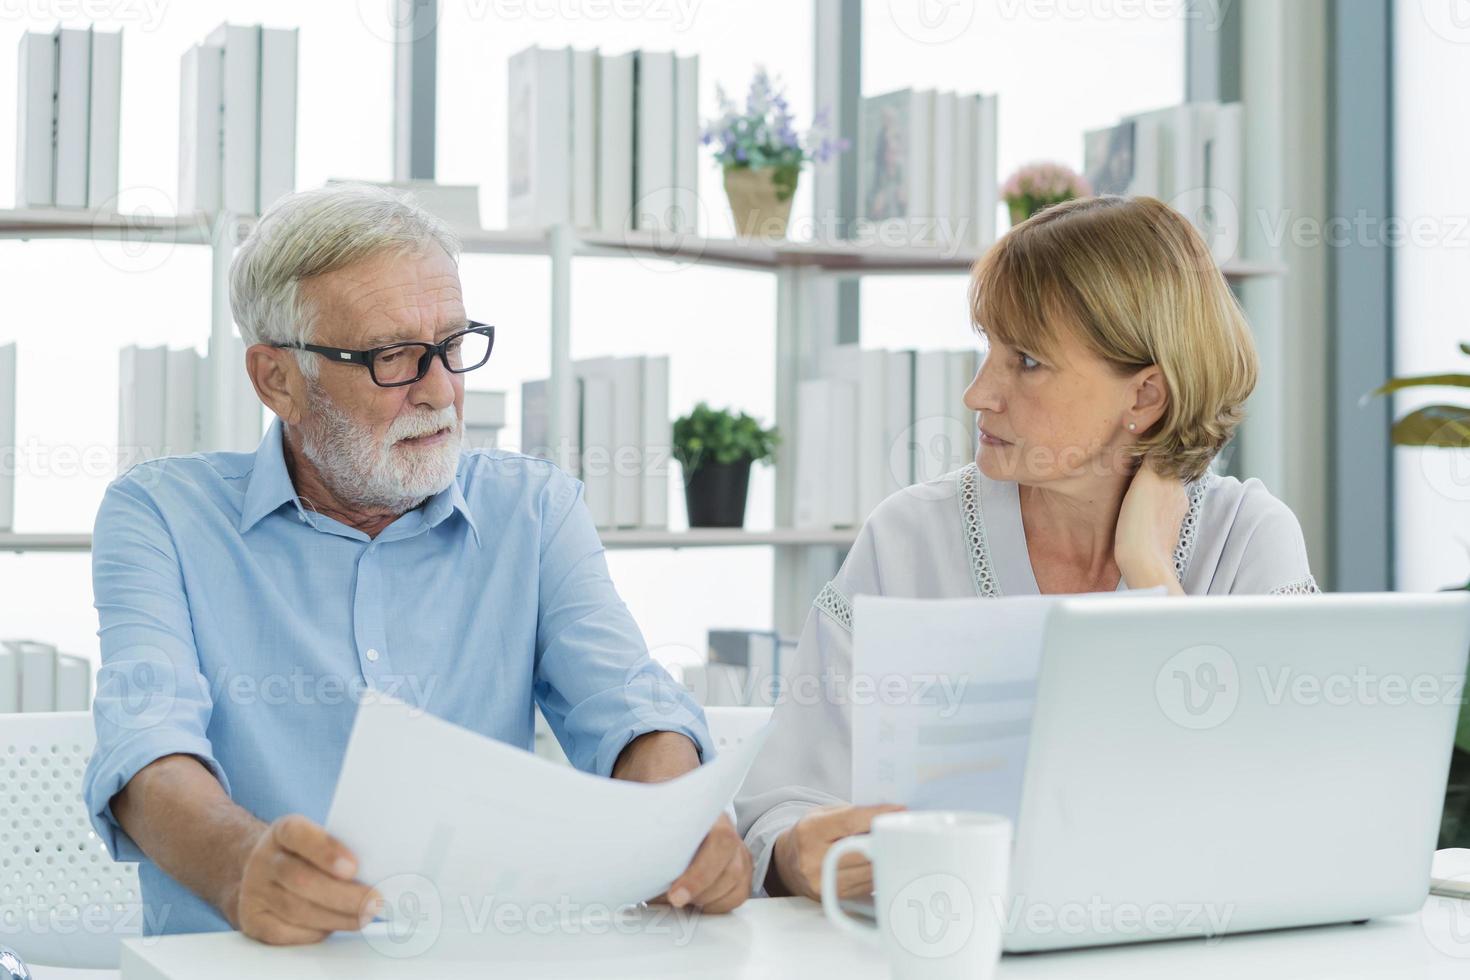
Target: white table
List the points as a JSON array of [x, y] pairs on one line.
[[781, 937]]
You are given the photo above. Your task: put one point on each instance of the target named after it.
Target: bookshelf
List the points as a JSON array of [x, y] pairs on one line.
[[804, 558]]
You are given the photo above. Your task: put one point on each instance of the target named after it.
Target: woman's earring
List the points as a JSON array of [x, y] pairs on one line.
[[1132, 427]]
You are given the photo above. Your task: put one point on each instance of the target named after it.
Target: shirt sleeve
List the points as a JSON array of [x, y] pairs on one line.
[[152, 699], [595, 682], [1273, 559], [807, 759]]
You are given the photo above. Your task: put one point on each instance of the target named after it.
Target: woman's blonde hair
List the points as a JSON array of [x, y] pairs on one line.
[[1134, 281]]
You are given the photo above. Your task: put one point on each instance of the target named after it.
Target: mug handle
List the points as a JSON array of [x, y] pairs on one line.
[[831, 905]]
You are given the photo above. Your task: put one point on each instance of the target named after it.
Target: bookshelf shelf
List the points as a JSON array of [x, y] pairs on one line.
[[858, 257], [629, 539]]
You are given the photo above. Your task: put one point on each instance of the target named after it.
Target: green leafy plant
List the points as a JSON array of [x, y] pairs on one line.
[[708, 435], [1443, 427]]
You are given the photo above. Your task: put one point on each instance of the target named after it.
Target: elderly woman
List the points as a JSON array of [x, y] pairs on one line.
[[1118, 364]]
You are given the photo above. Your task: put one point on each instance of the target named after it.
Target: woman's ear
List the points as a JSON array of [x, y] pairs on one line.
[[277, 380], [1150, 397]]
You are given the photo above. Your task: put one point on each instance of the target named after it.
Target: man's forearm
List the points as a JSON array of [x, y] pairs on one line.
[[656, 756], [179, 815]]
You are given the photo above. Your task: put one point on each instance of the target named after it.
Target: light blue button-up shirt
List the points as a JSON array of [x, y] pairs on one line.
[[242, 629]]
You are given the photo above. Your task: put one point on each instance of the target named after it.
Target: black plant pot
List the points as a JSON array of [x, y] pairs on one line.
[[714, 494]]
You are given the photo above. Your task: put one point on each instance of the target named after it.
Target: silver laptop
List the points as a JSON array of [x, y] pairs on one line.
[[1201, 766]]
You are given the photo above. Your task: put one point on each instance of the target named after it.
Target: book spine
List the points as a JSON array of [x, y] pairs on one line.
[[35, 157]]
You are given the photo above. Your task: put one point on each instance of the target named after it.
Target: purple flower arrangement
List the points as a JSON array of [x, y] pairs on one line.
[[762, 134]]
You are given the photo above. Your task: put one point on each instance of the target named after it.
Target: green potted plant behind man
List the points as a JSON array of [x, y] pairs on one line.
[[716, 449]]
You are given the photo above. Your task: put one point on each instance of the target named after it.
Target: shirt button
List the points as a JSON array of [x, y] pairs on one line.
[[372, 655]]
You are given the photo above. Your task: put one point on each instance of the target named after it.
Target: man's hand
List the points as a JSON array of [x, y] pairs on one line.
[[718, 879], [796, 862], [297, 887]]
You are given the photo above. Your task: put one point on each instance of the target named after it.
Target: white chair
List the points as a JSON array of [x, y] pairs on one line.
[[63, 901], [730, 726]]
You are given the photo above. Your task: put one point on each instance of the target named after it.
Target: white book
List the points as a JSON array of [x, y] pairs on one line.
[[894, 176], [9, 679], [141, 387], [201, 123], [1155, 160], [941, 181], [962, 365], [597, 441], [106, 119], [278, 70], [37, 676], [657, 441], [181, 402], [873, 463], [935, 435], [484, 417], [73, 683], [584, 138], [826, 468], [7, 436], [625, 448], [653, 156], [898, 419], [686, 144], [963, 187], [539, 121], [35, 152], [987, 169], [73, 98], [240, 83], [615, 142]]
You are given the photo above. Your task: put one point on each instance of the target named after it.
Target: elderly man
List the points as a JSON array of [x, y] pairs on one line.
[[247, 600]]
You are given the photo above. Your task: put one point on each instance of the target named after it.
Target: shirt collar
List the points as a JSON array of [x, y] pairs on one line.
[[270, 487]]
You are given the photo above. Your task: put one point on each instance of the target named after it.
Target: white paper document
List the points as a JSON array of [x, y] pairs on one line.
[[420, 799], [942, 699]]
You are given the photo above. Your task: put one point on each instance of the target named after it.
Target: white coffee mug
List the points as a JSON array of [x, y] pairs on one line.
[[939, 888]]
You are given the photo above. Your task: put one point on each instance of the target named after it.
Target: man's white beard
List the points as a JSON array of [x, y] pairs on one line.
[[365, 472]]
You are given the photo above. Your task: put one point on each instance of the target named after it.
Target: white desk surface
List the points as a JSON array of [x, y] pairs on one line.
[[781, 937]]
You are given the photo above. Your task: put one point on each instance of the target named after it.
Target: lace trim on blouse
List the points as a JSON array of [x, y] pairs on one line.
[[835, 604], [983, 571], [1307, 586]]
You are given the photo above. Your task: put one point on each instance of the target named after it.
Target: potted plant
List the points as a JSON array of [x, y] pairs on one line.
[[716, 449], [1037, 186], [1443, 427], [762, 154]]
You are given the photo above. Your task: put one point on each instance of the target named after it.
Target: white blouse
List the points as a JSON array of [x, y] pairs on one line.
[[961, 536]]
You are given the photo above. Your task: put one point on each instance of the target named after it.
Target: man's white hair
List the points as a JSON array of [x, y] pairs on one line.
[[312, 233]]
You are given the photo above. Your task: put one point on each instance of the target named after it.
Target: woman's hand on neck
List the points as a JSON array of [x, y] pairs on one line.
[[1149, 523], [316, 495]]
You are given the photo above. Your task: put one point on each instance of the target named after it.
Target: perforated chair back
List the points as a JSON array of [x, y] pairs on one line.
[[63, 900], [731, 726]]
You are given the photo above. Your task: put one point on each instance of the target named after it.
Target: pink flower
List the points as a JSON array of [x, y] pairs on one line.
[[1046, 181]]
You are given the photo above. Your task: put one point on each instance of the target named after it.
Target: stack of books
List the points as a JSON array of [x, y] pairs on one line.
[[36, 677], [883, 420], [7, 437], [1189, 156], [927, 167], [237, 120], [622, 441], [68, 115], [603, 142], [165, 405]]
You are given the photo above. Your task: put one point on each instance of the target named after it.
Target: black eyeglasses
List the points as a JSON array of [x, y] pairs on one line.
[[403, 364]]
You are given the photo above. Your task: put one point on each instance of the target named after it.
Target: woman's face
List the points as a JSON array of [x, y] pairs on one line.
[[1057, 419]]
